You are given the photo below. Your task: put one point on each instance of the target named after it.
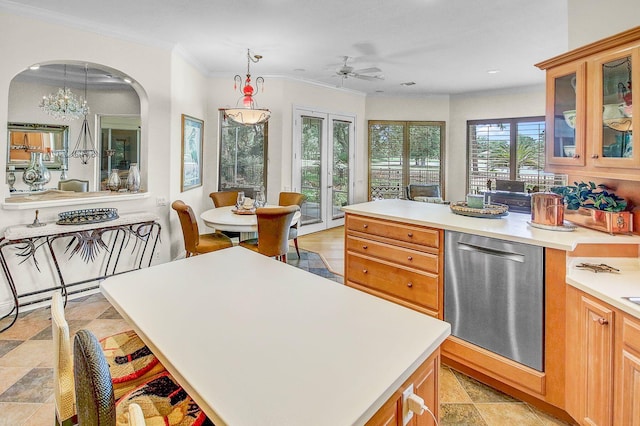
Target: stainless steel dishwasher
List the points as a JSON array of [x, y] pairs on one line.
[[494, 295]]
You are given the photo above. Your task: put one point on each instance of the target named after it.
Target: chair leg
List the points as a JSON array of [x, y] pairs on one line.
[[283, 258], [295, 243]]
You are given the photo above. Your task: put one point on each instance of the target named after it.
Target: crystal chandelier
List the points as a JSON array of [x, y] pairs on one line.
[[249, 113], [84, 149], [64, 105]]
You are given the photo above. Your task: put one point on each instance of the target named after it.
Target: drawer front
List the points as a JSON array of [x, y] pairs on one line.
[[394, 231], [420, 288], [406, 257]]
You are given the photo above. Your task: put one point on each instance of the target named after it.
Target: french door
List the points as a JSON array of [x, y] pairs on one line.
[[323, 150]]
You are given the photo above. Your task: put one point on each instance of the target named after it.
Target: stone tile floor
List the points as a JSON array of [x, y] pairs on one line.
[[26, 373]]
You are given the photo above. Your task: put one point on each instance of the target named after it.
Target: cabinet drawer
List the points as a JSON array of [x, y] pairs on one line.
[[406, 257], [417, 287], [394, 231]]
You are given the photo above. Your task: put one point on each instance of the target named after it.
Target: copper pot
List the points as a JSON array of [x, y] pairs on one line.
[[547, 208]]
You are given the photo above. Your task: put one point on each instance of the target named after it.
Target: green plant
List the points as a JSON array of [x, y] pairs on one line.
[[591, 196]]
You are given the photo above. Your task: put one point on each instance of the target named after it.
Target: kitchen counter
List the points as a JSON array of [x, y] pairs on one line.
[[512, 227], [256, 341], [609, 287]]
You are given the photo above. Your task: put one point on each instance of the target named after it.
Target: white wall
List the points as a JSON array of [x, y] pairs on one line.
[[33, 41], [521, 102]]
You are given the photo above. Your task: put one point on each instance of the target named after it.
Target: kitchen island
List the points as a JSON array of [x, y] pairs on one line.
[[259, 342], [394, 249]]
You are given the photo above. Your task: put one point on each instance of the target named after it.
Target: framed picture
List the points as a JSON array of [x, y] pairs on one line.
[[192, 137]]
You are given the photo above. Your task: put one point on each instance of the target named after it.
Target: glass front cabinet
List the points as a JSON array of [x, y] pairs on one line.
[[590, 111]]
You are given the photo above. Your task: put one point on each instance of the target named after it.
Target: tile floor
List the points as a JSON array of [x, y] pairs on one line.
[[26, 361]]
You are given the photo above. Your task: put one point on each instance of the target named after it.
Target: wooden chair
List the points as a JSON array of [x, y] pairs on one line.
[[290, 199], [423, 190], [224, 198], [161, 399], [194, 243], [75, 185], [273, 231], [129, 360]]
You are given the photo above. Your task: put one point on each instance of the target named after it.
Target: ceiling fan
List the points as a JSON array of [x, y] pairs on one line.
[[346, 71]]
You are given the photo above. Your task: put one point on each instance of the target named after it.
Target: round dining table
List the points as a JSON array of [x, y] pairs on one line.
[[224, 219]]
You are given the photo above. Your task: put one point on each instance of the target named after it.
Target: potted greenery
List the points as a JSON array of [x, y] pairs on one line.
[[595, 206]]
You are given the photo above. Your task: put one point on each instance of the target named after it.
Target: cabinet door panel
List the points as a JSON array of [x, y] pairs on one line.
[[565, 124], [612, 115], [597, 350]]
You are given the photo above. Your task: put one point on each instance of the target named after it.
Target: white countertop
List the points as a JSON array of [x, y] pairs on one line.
[[256, 341], [512, 227], [611, 288]]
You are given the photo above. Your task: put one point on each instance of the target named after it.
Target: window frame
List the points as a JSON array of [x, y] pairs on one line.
[[513, 122], [406, 151]]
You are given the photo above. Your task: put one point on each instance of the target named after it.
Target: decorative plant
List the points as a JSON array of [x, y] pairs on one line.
[[591, 196]]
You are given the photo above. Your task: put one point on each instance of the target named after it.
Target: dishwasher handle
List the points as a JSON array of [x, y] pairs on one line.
[[516, 257]]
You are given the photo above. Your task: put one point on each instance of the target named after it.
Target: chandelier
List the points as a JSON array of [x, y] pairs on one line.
[[248, 113], [64, 105], [84, 149]]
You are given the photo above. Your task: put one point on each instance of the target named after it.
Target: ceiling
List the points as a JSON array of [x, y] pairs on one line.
[[443, 46]]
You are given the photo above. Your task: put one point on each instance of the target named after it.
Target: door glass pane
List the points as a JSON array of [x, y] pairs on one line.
[[424, 154], [311, 156], [242, 157], [340, 174], [616, 113], [385, 160], [564, 116]]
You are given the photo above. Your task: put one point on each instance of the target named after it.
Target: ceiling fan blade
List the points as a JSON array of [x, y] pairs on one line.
[[367, 77], [367, 70]]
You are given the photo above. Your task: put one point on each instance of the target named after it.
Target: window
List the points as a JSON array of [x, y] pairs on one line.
[[243, 156], [508, 149], [404, 152]]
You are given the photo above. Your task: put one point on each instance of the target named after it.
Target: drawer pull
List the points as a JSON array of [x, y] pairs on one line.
[[365, 247], [365, 226], [409, 258], [410, 234], [364, 271], [602, 321], [409, 284]]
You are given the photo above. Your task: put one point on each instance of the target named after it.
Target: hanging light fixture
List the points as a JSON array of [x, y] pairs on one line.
[[84, 149], [248, 113], [64, 105]]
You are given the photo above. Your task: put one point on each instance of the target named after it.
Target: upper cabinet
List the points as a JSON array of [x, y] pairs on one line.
[[590, 111]]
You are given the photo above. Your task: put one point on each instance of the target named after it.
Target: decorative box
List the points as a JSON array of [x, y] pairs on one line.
[[600, 220]]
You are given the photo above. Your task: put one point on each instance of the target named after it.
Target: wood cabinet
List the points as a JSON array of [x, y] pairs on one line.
[[425, 385], [627, 379], [590, 330], [590, 113], [396, 261]]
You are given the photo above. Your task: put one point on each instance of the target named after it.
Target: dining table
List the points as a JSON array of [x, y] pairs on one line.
[[227, 218], [259, 342]]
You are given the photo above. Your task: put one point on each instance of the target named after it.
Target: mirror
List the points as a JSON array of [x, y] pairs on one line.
[[25, 138], [108, 93]]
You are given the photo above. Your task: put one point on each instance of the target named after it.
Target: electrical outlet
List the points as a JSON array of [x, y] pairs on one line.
[[161, 201], [407, 414]]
